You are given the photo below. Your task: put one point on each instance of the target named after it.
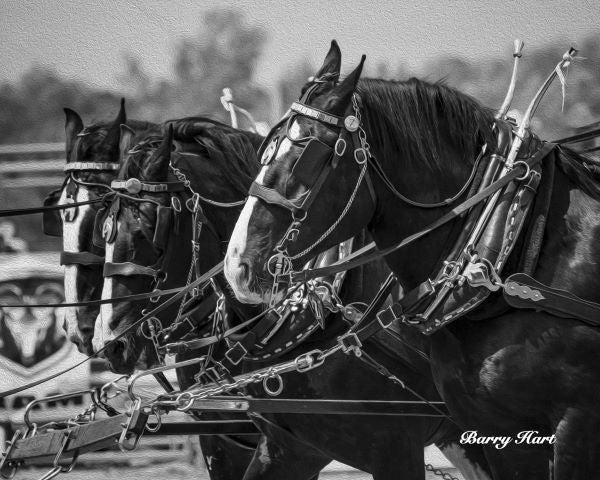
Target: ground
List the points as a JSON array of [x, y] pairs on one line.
[[180, 466]]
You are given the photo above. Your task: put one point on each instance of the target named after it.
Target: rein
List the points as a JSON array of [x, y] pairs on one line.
[[14, 212], [357, 259]]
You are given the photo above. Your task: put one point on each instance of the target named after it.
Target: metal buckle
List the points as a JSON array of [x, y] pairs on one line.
[[360, 156], [379, 315], [350, 343], [273, 392], [126, 442], [340, 147], [5, 461], [483, 274], [236, 353]]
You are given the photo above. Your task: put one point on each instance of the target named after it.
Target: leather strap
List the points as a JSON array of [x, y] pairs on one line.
[[133, 185], [30, 211], [355, 260], [522, 291], [128, 269], [317, 114], [101, 166], [80, 258]]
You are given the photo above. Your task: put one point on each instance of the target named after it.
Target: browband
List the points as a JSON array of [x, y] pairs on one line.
[[128, 269], [76, 166], [317, 114], [133, 185], [80, 258]]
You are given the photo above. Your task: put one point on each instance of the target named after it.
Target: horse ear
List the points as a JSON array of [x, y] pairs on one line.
[[73, 126], [342, 93], [332, 63], [126, 142], [157, 168], [112, 140]]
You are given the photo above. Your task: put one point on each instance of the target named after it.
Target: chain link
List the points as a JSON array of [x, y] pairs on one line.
[[183, 179], [183, 401], [439, 473]]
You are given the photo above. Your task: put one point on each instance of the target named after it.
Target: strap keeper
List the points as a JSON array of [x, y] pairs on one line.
[[388, 315], [236, 353], [350, 343], [340, 147]]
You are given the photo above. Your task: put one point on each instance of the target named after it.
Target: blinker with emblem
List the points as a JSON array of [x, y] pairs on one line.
[[133, 185], [351, 123], [109, 227], [269, 152]]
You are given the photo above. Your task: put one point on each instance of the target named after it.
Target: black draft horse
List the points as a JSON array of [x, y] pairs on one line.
[[220, 163], [518, 371], [92, 155], [102, 144]]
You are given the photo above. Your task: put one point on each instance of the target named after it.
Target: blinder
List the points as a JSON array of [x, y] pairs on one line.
[[164, 226], [311, 162], [51, 219]]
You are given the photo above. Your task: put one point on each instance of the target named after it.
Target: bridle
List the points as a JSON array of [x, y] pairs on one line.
[[320, 155], [167, 218], [322, 159], [71, 185]]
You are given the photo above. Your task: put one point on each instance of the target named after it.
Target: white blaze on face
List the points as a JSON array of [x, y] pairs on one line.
[[237, 243], [71, 232], [102, 331]]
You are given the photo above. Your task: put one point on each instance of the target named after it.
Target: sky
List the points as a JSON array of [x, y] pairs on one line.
[[87, 40]]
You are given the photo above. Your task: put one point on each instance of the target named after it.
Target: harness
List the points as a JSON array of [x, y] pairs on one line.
[[51, 219]]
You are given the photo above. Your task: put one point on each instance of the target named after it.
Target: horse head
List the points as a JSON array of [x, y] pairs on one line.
[[309, 168], [92, 154], [147, 225], [85, 147]]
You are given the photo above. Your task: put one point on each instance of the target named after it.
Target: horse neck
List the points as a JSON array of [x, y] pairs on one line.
[[395, 219]]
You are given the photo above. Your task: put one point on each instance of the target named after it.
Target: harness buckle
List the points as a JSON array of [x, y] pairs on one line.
[[360, 155], [340, 147], [236, 353], [483, 274], [387, 316], [350, 343]]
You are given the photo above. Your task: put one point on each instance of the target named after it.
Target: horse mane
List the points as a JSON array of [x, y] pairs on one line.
[[83, 146], [418, 119], [583, 174], [233, 150]]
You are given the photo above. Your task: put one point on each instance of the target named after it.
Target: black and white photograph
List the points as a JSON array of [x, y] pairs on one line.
[[262, 240]]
